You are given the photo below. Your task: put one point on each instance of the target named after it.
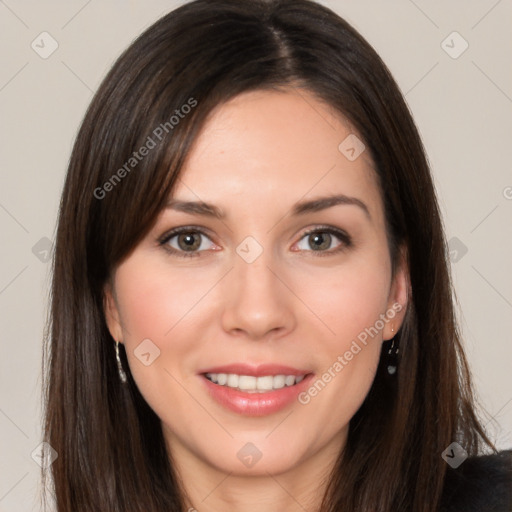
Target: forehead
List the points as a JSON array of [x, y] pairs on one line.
[[264, 146]]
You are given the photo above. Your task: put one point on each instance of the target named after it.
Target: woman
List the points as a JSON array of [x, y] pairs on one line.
[[251, 305]]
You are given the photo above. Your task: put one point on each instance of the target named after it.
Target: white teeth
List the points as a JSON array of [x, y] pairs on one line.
[[265, 383], [246, 382], [253, 384], [289, 380], [232, 380], [279, 381]]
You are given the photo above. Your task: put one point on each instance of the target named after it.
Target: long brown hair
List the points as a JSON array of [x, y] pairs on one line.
[[111, 450]]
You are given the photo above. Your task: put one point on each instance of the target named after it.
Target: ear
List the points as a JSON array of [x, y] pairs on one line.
[[399, 293], [112, 312]]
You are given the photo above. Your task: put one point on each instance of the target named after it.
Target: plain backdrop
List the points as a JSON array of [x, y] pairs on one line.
[[461, 100]]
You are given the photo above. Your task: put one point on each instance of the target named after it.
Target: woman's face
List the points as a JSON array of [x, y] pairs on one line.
[[272, 283]]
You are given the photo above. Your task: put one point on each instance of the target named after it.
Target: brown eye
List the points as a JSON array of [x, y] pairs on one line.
[[189, 241], [324, 241], [319, 241], [186, 242]]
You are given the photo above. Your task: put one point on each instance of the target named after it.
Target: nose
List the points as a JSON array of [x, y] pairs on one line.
[[257, 303]]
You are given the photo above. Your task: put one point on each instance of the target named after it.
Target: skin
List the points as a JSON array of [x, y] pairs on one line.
[[255, 158]]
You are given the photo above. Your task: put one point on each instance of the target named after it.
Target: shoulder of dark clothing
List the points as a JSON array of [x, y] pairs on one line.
[[480, 484]]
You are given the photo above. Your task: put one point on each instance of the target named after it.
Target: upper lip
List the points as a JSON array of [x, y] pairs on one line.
[[257, 370]]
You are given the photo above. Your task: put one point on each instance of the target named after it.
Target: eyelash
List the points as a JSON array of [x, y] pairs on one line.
[[344, 238]]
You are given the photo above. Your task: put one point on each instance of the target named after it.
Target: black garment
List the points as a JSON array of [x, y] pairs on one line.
[[480, 484]]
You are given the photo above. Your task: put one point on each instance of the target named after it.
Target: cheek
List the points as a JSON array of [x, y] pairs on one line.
[[162, 307], [350, 306], [348, 299], [153, 301]]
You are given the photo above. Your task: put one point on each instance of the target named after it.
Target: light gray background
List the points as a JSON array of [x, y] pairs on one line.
[[462, 107]]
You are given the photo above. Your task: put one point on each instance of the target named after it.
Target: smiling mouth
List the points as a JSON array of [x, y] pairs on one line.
[[252, 384]]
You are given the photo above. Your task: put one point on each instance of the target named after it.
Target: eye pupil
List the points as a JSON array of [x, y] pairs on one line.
[[188, 241], [322, 239]]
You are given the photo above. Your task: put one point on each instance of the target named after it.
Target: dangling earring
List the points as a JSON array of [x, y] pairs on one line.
[[122, 375], [392, 356]]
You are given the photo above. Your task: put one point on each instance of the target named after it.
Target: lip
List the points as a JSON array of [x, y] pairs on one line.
[[255, 404], [256, 370]]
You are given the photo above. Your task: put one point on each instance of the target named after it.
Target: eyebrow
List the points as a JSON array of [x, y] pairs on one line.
[[323, 203], [300, 208]]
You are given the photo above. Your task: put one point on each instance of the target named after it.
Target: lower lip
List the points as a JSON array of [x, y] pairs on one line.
[[255, 404]]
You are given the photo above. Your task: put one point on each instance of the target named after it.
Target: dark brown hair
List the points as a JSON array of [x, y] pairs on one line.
[[111, 451]]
